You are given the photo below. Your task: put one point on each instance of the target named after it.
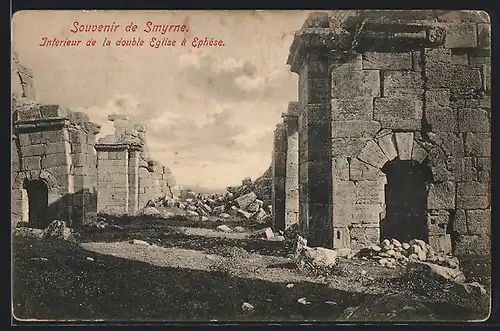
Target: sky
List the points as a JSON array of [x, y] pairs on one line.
[[210, 112]]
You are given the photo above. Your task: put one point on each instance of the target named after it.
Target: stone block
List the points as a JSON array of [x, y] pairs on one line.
[[402, 84], [353, 64], [319, 191], [438, 97], [360, 171], [441, 243], [28, 114], [318, 136], [417, 61], [398, 113], [478, 144], [367, 213], [484, 36], [355, 84], [472, 245], [354, 129], [437, 55], [48, 111], [441, 196], [473, 195], [484, 169], [340, 168], [54, 160], [342, 214], [441, 173], [370, 192], [486, 71], [31, 163], [462, 59], [341, 238], [387, 61], [387, 144], [315, 114], [364, 237], [451, 143], [461, 35], [404, 142], [442, 119], [24, 139], [343, 192], [317, 90], [459, 223], [373, 155], [348, 146], [36, 138], [468, 170], [479, 221], [441, 75], [474, 120], [79, 159], [418, 153], [437, 222], [352, 109], [478, 61]]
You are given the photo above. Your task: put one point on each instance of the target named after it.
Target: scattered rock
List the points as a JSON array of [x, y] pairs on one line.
[[331, 303], [149, 211], [224, 228], [204, 218], [239, 229], [192, 213], [139, 242], [303, 301], [247, 307], [58, 230], [290, 285], [150, 203], [89, 258], [434, 270], [245, 200], [375, 248], [28, 232], [405, 246], [266, 233], [474, 287], [224, 216], [279, 238]]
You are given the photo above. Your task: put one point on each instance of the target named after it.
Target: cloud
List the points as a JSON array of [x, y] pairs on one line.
[[235, 79]]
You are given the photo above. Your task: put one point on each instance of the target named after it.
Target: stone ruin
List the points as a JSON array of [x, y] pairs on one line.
[[391, 136], [60, 172]]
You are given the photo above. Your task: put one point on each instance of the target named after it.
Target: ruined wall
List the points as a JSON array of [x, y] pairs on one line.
[[127, 177], [402, 94], [290, 119], [278, 176], [55, 146]]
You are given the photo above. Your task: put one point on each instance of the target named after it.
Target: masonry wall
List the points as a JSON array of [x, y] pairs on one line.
[[292, 165], [419, 97], [278, 176]]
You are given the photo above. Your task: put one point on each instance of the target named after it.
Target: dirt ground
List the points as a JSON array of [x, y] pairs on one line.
[[193, 272]]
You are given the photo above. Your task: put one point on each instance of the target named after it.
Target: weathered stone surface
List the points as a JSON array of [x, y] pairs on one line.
[[387, 144], [245, 200], [370, 192], [387, 61], [437, 55], [478, 61], [402, 84], [461, 35], [462, 59], [355, 84], [486, 71], [442, 119], [479, 221], [441, 243], [484, 36], [441, 75], [459, 224], [348, 146], [417, 61], [473, 195], [352, 109], [438, 97], [398, 113], [404, 142], [451, 143], [467, 245], [441, 196], [478, 144], [368, 213], [354, 129], [340, 167], [437, 222], [474, 120], [418, 153], [362, 171], [344, 192], [373, 155], [484, 169]]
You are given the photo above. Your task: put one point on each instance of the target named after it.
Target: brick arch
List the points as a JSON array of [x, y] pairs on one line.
[[388, 145], [43, 175]]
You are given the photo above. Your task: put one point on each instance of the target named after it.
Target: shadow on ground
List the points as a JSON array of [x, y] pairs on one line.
[[68, 286]]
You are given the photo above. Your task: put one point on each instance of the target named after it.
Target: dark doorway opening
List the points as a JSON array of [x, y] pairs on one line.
[[38, 202], [406, 201]]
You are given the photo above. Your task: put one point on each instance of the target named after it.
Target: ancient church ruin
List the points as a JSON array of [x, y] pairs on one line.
[[390, 137], [60, 172]]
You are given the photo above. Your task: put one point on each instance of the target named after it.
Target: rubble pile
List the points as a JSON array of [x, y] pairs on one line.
[[247, 206], [392, 252]]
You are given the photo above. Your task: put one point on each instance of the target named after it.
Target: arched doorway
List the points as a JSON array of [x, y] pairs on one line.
[[406, 201], [38, 201]]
